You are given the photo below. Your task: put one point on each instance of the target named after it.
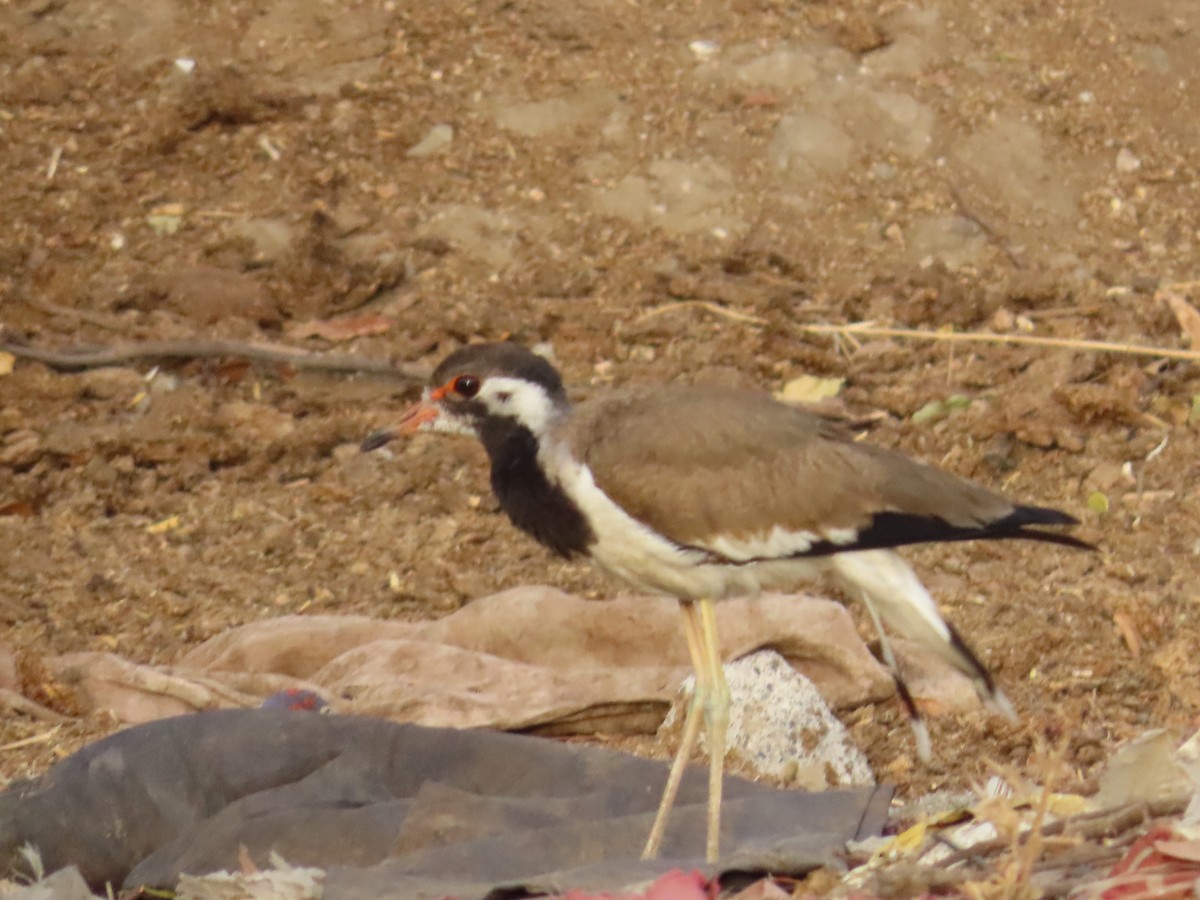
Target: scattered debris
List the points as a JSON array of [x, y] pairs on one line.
[[280, 882]]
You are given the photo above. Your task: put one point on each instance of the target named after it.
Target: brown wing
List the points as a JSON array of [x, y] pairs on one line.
[[694, 462]]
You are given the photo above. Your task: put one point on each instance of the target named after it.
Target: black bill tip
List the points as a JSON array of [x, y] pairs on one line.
[[376, 439]]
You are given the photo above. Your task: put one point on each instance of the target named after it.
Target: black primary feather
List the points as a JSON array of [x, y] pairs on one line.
[[894, 529]]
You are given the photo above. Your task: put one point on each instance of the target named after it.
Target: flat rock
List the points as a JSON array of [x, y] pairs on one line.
[[544, 117], [482, 234]]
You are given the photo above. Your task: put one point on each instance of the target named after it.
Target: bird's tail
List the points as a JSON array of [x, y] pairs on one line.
[[894, 594]]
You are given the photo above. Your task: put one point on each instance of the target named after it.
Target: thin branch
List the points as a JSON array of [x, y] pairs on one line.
[[986, 337], [77, 358]]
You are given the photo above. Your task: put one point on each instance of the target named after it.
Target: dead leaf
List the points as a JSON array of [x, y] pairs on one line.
[[760, 98], [1186, 315], [344, 328], [1124, 623], [810, 389], [233, 371], [20, 508], [906, 843], [7, 360], [163, 525], [1065, 805], [1185, 850]]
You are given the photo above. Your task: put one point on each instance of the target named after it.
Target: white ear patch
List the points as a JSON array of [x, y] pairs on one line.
[[518, 399]]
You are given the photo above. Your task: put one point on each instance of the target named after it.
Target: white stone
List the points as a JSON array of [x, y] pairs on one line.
[[811, 147], [780, 727], [678, 196], [787, 68], [1126, 161]]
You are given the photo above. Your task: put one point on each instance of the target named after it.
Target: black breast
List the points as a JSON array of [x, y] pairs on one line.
[[535, 505]]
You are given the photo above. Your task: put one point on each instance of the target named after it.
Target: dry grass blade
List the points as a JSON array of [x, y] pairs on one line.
[[869, 329], [706, 305], [44, 737]]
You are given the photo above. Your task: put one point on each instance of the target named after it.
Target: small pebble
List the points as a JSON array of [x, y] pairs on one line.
[[1126, 161], [437, 140]]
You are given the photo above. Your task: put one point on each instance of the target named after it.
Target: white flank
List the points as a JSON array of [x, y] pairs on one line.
[[841, 536], [635, 553], [780, 542]]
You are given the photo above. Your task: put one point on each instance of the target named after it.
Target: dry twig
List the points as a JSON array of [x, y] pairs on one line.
[[197, 348]]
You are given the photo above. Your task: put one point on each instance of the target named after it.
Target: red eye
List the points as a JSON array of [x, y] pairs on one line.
[[466, 386]]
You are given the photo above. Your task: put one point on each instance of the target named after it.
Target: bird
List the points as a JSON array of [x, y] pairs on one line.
[[703, 493]]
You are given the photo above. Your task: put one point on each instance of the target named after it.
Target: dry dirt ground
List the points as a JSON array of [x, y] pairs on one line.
[[658, 191]]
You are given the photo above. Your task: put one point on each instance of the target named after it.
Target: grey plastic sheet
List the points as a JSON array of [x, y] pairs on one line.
[[399, 810]]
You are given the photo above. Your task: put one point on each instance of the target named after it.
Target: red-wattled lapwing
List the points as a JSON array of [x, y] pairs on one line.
[[705, 493]]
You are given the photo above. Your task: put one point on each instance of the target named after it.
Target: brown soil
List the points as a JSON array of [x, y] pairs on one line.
[[1023, 167]]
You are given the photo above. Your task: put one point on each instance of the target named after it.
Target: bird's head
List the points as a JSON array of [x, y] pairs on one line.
[[482, 384]]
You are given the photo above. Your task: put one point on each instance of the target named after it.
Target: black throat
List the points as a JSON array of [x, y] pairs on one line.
[[533, 503]]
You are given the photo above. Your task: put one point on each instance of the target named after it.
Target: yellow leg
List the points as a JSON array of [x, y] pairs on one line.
[[694, 632], [716, 716]]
